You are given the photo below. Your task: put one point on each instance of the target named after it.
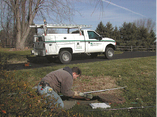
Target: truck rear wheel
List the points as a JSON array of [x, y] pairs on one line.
[[109, 53], [65, 57]]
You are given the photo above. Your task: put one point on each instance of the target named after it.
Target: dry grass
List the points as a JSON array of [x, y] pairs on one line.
[[16, 61], [90, 83]]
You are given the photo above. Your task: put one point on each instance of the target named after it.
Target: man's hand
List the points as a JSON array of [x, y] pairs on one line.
[[89, 96]]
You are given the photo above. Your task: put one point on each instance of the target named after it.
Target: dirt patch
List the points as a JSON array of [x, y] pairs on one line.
[[16, 61], [111, 98], [90, 83]]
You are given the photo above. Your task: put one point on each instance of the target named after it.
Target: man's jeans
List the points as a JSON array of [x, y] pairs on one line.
[[48, 91]]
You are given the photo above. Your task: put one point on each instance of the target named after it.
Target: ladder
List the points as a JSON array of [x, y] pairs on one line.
[[45, 26], [60, 26]]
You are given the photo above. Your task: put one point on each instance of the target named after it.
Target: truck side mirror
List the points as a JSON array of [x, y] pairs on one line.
[[100, 38]]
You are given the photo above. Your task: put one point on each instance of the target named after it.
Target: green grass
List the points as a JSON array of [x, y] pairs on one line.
[[14, 56], [138, 74], [10, 52]]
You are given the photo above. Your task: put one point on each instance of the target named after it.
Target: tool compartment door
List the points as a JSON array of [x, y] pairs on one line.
[[79, 44], [50, 44], [38, 43]]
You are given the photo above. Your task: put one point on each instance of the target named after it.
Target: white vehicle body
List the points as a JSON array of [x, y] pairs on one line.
[[80, 41]]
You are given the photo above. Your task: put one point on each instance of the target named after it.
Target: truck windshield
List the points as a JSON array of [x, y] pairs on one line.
[[93, 35]]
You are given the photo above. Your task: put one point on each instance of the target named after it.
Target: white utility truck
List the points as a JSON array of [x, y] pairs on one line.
[[64, 46]]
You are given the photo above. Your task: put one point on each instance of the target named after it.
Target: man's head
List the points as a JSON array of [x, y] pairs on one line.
[[76, 72]]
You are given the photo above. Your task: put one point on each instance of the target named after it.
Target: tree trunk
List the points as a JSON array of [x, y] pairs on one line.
[[20, 45], [23, 28], [18, 25]]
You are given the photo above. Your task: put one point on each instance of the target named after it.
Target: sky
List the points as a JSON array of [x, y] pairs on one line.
[[114, 11], [92, 12]]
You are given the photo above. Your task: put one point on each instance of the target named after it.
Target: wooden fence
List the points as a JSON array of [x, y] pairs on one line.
[[136, 48]]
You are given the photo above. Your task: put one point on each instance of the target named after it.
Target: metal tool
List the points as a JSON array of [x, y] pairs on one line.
[[105, 90], [126, 108]]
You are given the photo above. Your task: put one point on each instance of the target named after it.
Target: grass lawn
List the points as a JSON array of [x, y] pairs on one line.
[[138, 74]]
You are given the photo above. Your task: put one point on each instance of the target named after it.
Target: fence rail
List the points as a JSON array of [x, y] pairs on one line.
[[136, 48]]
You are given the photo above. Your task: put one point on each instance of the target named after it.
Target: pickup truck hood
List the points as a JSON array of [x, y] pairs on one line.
[[108, 39]]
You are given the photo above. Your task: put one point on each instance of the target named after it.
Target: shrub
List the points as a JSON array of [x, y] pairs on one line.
[[18, 99], [3, 61]]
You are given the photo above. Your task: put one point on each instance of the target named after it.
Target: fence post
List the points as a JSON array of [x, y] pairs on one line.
[[131, 49]]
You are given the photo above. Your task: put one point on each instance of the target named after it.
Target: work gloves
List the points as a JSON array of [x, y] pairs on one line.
[[85, 95]]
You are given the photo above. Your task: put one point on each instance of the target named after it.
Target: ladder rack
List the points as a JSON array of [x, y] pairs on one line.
[[60, 26]]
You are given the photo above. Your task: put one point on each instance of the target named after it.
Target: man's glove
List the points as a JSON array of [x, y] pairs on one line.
[[89, 96]]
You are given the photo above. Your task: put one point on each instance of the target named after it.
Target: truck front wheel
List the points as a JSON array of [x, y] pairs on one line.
[[65, 57], [109, 53]]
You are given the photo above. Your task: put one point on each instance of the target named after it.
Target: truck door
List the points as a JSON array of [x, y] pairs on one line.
[[39, 46], [38, 42], [93, 42]]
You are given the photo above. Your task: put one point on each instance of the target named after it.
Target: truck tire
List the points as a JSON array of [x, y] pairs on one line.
[[65, 56], [109, 53]]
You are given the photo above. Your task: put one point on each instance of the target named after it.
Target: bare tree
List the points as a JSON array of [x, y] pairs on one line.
[[6, 26], [147, 23], [23, 13]]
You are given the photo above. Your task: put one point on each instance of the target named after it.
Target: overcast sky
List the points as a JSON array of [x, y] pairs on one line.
[[115, 11]]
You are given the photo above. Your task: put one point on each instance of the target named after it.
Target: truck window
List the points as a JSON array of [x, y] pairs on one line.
[[93, 35], [77, 32], [38, 39]]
